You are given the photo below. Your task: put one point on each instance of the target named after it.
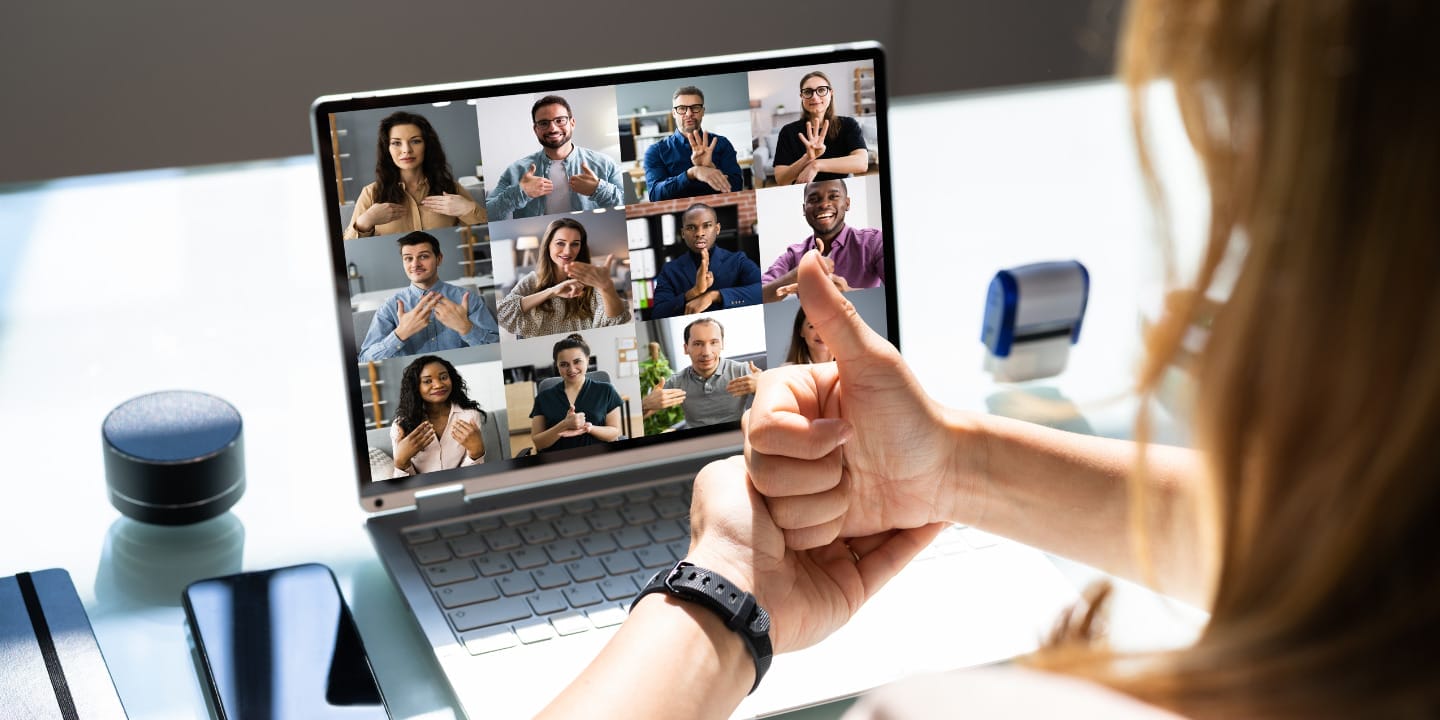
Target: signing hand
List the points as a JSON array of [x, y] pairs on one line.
[[700, 302], [702, 147], [703, 277], [449, 204], [586, 182], [379, 214], [453, 315], [713, 177], [469, 437], [568, 289], [596, 276], [410, 444], [661, 397], [572, 424], [807, 175], [415, 320], [809, 594], [533, 185], [744, 385], [853, 447], [814, 138]]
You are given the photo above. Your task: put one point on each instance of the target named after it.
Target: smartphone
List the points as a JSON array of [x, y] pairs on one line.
[[280, 644]]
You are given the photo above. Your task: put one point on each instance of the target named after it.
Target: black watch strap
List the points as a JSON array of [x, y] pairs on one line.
[[712, 591]]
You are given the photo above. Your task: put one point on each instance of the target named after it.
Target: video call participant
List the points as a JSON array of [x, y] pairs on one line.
[[806, 345], [414, 188], [715, 389], [561, 177], [707, 277], [820, 145], [566, 415], [855, 256], [566, 292], [430, 315], [437, 426], [690, 161]]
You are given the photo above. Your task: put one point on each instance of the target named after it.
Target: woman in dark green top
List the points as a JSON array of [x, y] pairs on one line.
[[578, 411]]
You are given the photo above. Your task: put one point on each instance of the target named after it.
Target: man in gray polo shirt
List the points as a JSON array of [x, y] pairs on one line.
[[713, 389]]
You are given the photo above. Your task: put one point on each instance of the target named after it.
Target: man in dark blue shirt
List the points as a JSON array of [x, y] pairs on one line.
[[707, 277], [690, 161]]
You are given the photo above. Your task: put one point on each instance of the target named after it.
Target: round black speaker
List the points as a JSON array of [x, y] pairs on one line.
[[174, 457]]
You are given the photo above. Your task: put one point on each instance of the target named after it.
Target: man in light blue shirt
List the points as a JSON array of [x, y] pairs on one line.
[[561, 177], [431, 314]]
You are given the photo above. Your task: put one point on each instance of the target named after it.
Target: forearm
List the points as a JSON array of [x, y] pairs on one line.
[[614, 306], [604, 433], [856, 163], [545, 438], [534, 300], [770, 290], [665, 643], [786, 174], [1069, 494]]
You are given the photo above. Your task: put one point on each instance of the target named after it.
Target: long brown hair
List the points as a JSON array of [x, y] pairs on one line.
[[548, 273], [434, 166], [1318, 402], [834, 127]]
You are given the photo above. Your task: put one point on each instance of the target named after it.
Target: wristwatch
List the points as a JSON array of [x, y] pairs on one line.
[[710, 590]]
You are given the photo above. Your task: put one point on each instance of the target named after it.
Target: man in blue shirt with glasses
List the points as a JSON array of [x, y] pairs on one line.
[[690, 161]]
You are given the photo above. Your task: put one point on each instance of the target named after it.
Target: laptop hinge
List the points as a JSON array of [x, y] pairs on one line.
[[440, 500]]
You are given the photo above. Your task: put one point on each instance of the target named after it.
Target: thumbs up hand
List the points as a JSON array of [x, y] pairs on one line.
[[535, 186], [586, 182]]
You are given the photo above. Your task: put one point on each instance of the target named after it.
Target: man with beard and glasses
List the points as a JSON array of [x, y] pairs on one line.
[[690, 161], [561, 177], [854, 257]]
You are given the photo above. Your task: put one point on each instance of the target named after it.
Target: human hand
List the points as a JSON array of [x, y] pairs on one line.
[[533, 185], [572, 424], [448, 204], [854, 447], [586, 182], [713, 177], [379, 214], [703, 277], [744, 385], [468, 435], [410, 444], [809, 594], [415, 320], [567, 289], [814, 138], [453, 315], [596, 276], [661, 397], [701, 302], [702, 147], [807, 175]]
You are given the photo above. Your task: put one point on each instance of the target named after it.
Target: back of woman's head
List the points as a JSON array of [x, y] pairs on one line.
[[1318, 392], [434, 166]]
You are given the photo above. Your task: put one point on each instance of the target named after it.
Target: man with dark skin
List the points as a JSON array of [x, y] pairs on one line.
[[707, 277], [854, 257]]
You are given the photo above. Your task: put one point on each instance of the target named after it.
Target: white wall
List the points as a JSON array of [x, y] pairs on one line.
[[603, 344], [782, 87], [744, 333], [484, 383], [507, 133]]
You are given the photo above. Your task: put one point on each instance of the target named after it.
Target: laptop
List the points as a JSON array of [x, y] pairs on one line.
[[528, 269]]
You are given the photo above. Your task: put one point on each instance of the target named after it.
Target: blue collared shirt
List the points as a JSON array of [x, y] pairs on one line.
[[381, 342], [667, 160], [736, 277], [508, 201]]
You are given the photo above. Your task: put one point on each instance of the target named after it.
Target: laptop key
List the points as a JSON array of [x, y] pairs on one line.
[[632, 537], [585, 569], [570, 623], [617, 588], [597, 544], [485, 524], [449, 572], [516, 584], [502, 539], [637, 514], [608, 616], [642, 495], [467, 593], [549, 602], [454, 530], [571, 526], [669, 507], [679, 548], [579, 507], [533, 631], [528, 557], [550, 576], [536, 533], [519, 517], [583, 595], [673, 490], [549, 512], [643, 578], [609, 501], [563, 551], [419, 536], [493, 564], [665, 530], [431, 552], [491, 613], [468, 545], [654, 556], [606, 520], [489, 639], [621, 563]]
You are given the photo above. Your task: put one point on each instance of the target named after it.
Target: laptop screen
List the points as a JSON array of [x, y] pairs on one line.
[[544, 276]]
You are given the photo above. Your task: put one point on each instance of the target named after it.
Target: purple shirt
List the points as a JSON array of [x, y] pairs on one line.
[[859, 256]]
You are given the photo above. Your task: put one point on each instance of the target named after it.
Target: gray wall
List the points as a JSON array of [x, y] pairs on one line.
[[157, 83], [455, 124], [722, 93]]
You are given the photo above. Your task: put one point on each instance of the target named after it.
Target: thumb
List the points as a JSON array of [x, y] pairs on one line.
[[834, 317], [753, 368], [584, 167], [531, 171], [401, 305], [609, 261], [465, 300]]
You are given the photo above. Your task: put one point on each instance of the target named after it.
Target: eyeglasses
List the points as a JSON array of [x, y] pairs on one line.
[[558, 122], [821, 90], [689, 109]]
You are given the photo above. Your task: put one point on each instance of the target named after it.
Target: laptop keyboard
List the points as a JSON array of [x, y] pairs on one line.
[[534, 575]]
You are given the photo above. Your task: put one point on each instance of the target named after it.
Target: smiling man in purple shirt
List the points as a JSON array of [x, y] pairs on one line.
[[855, 256]]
